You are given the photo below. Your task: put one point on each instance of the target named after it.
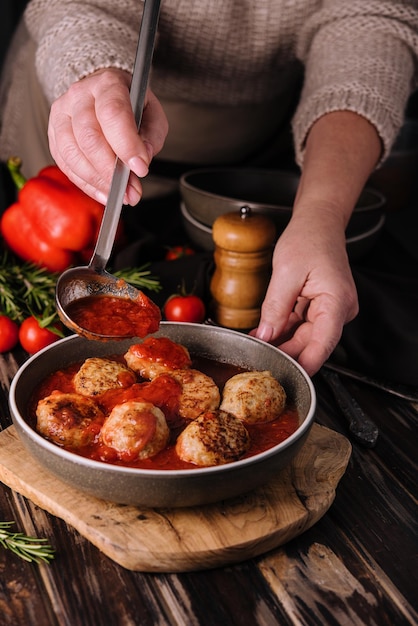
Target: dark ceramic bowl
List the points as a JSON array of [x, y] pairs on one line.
[[209, 193], [357, 245], [166, 488]]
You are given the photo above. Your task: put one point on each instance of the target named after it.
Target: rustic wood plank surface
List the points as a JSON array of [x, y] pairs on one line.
[[355, 566]]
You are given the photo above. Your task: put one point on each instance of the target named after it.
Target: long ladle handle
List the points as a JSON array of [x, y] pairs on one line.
[[142, 66]]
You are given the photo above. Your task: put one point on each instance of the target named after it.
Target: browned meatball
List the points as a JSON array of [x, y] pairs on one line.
[[157, 355], [136, 430], [69, 419], [253, 397], [199, 393], [213, 438], [98, 375]]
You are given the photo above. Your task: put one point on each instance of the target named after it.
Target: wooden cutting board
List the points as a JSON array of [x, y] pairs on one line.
[[180, 540]]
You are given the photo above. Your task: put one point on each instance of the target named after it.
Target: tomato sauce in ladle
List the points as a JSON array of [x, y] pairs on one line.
[[88, 297], [107, 316]]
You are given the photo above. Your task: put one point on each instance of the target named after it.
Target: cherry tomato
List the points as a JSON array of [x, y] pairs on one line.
[[33, 337], [9, 333], [184, 308], [176, 252]]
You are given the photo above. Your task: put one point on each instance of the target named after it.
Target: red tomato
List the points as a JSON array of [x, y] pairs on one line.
[[176, 252], [184, 308], [9, 333], [33, 338]]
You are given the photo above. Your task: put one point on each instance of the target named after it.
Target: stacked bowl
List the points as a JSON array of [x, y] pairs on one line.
[[208, 193]]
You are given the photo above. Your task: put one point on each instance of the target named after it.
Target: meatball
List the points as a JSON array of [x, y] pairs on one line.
[[253, 397], [69, 419], [98, 375], [213, 438], [157, 355], [135, 430], [199, 393]]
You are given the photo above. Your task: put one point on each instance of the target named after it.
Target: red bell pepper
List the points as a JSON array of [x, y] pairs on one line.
[[52, 222], [23, 240]]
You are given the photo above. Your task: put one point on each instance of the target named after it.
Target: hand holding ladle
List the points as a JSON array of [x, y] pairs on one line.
[[86, 282]]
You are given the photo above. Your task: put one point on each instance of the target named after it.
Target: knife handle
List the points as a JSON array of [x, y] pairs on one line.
[[362, 428]]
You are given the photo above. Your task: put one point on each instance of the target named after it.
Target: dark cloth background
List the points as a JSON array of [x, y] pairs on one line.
[[10, 12], [382, 340]]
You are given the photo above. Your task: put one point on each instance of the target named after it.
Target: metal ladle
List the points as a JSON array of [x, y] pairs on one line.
[[93, 279]]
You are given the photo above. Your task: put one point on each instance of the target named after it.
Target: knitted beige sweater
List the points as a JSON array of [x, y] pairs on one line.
[[357, 55]]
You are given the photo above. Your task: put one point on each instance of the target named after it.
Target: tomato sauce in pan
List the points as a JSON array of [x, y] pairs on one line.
[[116, 317], [164, 392]]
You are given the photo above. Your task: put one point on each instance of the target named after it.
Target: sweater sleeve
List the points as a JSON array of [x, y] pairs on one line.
[[67, 33], [362, 57]]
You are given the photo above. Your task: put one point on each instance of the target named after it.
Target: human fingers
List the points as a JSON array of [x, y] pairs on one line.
[[278, 315], [111, 132], [68, 156], [154, 125], [116, 120], [310, 297], [77, 140], [135, 149], [314, 327], [92, 123], [316, 336]]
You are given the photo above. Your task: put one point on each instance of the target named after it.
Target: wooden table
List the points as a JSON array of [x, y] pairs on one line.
[[356, 566]]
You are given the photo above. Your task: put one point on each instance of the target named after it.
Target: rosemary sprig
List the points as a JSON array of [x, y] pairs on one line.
[[26, 289], [29, 549], [139, 277]]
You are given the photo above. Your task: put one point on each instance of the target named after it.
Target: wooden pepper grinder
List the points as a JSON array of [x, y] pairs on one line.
[[243, 251]]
